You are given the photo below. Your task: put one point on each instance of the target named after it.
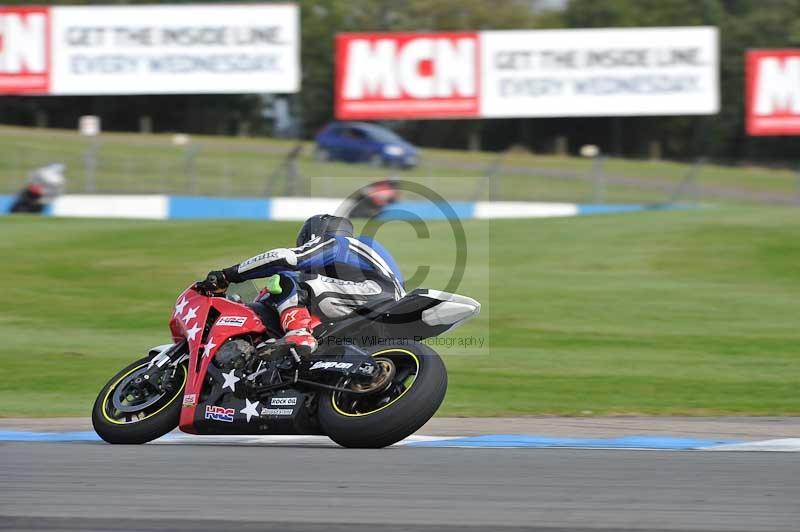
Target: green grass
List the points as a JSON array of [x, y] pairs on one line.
[[132, 163], [691, 312]]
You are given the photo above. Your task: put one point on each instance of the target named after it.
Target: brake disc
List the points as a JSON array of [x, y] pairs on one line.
[[380, 382], [122, 393]]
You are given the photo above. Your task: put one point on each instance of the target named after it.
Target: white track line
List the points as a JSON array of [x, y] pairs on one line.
[[293, 441], [790, 445]]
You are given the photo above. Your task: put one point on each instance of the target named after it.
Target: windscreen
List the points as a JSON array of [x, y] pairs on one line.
[[381, 135], [247, 291]]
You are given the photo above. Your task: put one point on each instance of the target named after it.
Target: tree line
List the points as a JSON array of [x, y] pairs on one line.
[[743, 24]]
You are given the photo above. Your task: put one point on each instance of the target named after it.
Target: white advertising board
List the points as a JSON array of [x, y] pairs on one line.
[[580, 72], [600, 72], [152, 49]]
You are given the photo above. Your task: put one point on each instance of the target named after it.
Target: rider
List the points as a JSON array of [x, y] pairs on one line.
[[329, 270]]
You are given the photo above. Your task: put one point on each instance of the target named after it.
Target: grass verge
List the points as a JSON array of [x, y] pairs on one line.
[[690, 313]]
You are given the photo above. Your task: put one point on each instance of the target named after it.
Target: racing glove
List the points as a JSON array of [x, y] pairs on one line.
[[215, 281]]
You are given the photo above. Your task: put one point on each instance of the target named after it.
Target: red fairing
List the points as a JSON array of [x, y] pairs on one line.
[[188, 321], [383, 193]]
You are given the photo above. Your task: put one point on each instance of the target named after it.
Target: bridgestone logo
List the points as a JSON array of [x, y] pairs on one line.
[[276, 411]]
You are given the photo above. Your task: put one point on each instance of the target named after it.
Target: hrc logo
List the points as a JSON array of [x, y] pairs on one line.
[[217, 413]]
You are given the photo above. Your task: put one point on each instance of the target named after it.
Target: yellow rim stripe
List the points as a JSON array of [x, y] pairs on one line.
[[393, 401], [114, 386]]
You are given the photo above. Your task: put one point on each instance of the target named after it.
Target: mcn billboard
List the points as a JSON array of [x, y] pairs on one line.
[[772, 99], [407, 75], [24, 50], [592, 72], [155, 49]]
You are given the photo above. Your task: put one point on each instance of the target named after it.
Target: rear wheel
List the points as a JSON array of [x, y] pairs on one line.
[[416, 383], [131, 409]]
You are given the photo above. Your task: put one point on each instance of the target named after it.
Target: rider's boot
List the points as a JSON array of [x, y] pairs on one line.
[[297, 324]]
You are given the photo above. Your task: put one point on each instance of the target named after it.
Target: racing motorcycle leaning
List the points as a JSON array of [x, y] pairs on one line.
[[371, 383]]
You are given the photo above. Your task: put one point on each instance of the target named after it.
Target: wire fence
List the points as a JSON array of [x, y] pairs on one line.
[[252, 168]]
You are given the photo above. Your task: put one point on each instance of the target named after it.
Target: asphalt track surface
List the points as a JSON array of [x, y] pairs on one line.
[[94, 486]]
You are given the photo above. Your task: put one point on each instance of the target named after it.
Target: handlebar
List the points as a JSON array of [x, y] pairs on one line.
[[206, 290]]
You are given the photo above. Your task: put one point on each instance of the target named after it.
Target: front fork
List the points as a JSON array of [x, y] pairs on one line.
[[166, 356]]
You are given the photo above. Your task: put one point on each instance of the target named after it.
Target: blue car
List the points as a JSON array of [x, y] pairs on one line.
[[357, 142]]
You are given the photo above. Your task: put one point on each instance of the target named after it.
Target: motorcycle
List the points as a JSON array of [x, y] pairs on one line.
[[42, 187], [371, 383]]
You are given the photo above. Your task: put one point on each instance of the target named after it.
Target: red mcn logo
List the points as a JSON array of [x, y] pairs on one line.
[[24, 51], [413, 75], [773, 92]]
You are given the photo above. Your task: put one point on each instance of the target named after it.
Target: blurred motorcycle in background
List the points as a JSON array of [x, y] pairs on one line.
[[42, 186]]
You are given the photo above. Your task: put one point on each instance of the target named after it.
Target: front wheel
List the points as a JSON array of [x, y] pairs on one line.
[[418, 383], [132, 410]]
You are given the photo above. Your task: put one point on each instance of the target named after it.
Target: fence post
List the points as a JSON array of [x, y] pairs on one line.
[[289, 169], [90, 165], [689, 181], [599, 178], [40, 118], [491, 178], [654, 150], [797, 200], [561, 146], [163, 171], [474, 136], [145, 124], [189, 155]]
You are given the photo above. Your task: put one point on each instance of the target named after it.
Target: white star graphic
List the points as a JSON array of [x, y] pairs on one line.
[[249, 409], [209, 346], [179, 306], [230, 381], [192, 313], [191, 333]]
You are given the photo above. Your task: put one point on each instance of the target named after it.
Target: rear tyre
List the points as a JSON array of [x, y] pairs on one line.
[[121, 416], [417, 390]]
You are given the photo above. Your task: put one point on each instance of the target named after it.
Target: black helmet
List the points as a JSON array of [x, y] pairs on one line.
[[324, 225]]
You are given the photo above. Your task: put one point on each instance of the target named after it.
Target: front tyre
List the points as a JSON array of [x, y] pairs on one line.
[[131, 411], [417, 389]]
